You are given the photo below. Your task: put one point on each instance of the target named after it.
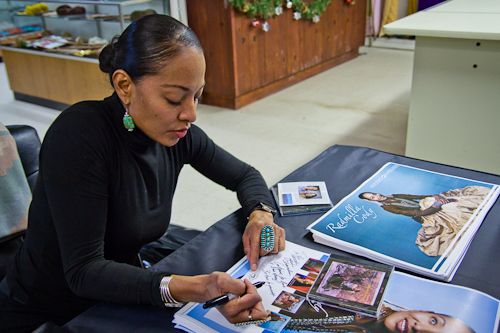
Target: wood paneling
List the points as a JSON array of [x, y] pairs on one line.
[[245, 63], [62, 80]]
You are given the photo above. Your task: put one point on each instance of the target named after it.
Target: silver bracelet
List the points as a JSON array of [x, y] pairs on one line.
[[166, 296]]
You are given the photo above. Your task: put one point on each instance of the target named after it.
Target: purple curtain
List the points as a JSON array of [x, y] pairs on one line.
[[423, 4]]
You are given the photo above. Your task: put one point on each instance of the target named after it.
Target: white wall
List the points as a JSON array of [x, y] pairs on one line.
[[178, 10]]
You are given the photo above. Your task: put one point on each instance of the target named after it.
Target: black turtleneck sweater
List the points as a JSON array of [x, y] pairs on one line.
[[103, 193]]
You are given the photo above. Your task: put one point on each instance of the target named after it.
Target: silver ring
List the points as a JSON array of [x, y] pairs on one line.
[[250, 318]]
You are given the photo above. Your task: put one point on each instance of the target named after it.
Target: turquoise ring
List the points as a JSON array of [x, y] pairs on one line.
[[267, 238]]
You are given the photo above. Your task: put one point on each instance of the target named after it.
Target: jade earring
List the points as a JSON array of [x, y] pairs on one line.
[[128, 122]]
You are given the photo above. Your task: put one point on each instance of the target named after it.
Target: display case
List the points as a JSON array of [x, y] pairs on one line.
[[81, 18], [63, 69]]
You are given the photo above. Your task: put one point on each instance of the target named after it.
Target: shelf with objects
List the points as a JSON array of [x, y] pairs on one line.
[[50, 49]]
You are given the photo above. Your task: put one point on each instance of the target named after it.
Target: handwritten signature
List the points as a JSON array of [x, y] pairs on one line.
[[355, 214], [277, 272]]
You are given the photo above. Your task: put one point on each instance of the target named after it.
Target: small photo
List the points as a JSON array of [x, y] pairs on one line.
[[288, 301], [313, 265], [276, 324], [310, 192], [351, 282], [303, 283]]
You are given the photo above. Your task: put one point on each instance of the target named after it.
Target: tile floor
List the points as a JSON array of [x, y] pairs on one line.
[[363, 102]]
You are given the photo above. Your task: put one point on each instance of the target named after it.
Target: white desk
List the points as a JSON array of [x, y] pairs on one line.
[[455, 99]]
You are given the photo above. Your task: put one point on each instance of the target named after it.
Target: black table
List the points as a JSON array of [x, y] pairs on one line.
[[343, 168]]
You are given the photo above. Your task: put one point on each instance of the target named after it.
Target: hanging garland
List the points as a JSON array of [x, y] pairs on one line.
[[261, 10]]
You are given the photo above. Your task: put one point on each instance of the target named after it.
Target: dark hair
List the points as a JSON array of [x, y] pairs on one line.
[[146, 45], [362, 195]]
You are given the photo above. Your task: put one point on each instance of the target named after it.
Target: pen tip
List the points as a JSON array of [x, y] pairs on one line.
[[259, 284]]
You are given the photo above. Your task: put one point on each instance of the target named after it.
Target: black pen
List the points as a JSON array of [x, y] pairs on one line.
[[223, 299]]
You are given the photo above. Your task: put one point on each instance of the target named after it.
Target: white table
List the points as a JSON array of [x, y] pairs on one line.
[[455, 99]]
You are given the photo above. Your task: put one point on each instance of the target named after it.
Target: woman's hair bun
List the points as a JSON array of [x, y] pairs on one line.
[[107, 57]]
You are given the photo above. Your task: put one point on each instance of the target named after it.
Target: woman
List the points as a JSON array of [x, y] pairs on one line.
[[108, 171], [442, 215], [391, 321]]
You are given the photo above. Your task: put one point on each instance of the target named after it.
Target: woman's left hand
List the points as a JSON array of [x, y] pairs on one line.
[[251, 237]]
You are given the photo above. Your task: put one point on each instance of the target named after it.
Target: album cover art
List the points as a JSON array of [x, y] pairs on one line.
[[354, 284]]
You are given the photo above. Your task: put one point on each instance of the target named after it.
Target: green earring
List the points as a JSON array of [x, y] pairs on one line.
[[128, 122]]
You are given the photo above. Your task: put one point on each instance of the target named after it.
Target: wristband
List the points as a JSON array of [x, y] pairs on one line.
[[166, 296], [263, 207]]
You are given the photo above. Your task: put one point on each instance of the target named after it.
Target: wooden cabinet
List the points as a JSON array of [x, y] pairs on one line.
[[245, 63]]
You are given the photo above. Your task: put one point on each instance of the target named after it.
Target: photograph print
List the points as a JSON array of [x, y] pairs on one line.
[[313, 265], [310, 192], [288, 301], [302, 282]]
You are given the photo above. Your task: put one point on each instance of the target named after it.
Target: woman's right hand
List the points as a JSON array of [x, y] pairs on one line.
[[246, 307], [201, 288]]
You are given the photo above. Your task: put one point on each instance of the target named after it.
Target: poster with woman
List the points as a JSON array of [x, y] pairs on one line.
[[408, 217], [413, 301]]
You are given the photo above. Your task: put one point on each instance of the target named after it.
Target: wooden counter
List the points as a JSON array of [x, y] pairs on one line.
[[246, 63], [53, 80]]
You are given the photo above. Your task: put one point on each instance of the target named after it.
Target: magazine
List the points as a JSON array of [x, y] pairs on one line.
[[352, 284], [408, 302], [298, 198], [411, 218]]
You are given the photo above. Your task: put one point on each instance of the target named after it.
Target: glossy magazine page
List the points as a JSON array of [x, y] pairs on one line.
[[410, 218], [449, 307], [410, 304]]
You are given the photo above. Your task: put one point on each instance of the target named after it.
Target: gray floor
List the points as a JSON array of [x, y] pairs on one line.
[[363, 102]]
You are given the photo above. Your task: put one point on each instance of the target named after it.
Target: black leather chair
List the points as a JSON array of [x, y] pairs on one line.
[[28, 145]]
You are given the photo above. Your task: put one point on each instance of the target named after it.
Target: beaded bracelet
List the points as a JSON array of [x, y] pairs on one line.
[[167, 298], [253, 322]]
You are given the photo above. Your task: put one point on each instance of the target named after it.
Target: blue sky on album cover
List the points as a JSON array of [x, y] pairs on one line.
[[476, 309], [387, 233]]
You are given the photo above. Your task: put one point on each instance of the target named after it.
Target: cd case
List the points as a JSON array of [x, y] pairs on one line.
[[299, 209], [352, 284]]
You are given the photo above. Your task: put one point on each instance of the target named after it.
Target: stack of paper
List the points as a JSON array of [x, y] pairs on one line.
[[411, 218]]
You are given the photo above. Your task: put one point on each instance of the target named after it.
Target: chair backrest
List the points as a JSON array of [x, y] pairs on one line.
[[20, 147], [19, 150], [28, 146]]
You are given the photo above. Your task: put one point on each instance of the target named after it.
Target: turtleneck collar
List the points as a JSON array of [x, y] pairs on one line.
[[135, 138]]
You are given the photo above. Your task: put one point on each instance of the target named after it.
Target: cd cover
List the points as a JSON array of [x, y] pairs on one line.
[[352, 284]]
